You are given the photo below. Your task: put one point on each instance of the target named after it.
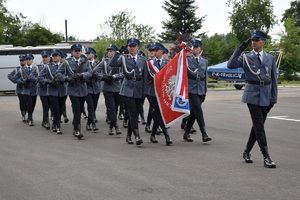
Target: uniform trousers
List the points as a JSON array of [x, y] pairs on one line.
[[112, 102], [258, 116], [64, 109], [196, 112], [46, 107], [77, 105], [157, 116], [22, 103], [30, 104], [57, 105], [132, 105], [92, 102]]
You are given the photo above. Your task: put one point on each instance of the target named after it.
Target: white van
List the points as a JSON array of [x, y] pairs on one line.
[[9, 59]]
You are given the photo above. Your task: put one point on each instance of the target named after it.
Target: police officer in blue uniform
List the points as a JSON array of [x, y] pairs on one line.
[[56, 89], [111, 88], [74, 71], [64, 110], [28, 87], [94, 89], [134, 85], [197, 75], [260, 92], [159, 62], [22, 103], [42, 89]]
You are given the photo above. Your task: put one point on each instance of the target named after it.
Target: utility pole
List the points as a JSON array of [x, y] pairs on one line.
[[66, 28]]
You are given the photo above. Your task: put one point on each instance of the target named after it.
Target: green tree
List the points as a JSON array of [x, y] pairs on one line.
[[39, 35], [289, 43], [247, 15], [118, 28], [183, 19], [293, 11]]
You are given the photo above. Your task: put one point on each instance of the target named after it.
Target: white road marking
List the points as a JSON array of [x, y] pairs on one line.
[[284, 118]]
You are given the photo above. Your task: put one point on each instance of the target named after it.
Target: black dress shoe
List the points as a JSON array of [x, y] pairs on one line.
[[268, 162], [205, 138], [182, 126], [96, 120], [125, 124], [30, 123], [118, 131], [78, 134], [148, 129], [54, 129], [153, 139], [66, 120], [88, 127], [58, 131], [110, 131], [23, 119], [144, 121], [121, 117], [247, 157], [138, 141], [168, 140], [159, 131], [85, 116], [128, 140], [47, 125], [193, 130], [94, 127], [187, 137]]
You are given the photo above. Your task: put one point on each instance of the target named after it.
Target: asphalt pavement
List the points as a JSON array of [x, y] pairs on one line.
[[37, 164]]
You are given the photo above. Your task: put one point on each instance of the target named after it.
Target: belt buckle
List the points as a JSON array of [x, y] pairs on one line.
[[198, 78], [134, 78], [262, 83]]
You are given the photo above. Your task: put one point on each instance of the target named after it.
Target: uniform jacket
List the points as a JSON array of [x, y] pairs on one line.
[[151, 89], [10, 76], [105, 68], [41, 89], [66, 69], [135, 76], [197, 75], [94, 87], [23, 73], [48, 73], [255, 94]]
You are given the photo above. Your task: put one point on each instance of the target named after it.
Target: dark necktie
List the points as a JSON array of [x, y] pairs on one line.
[[158, 62], [258, 57], [29, 69], [77, 62], [197, 60], [91, 63], [133, 58]]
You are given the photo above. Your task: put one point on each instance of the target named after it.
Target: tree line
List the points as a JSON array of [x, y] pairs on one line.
[[182, 25]]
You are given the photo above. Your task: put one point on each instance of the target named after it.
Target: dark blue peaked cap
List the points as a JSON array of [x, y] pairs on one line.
[[150, 46], [112, 47], [45, 53], [196, 43], [63, 54], [56, 52], [76, 47], [258, 34], [29, 56], [90, 50], [141, 53], [133, 41], [22, 57], [158, 45], [165, 51]]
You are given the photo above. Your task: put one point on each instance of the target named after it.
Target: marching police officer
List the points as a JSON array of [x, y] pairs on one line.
[[64, 111], [22, 102], [134, 85], [197, 75], [260, 92], [42, 89], [94, 89], [159, 62], [74, 71], [111, 88], [56, 89], [28, 87]]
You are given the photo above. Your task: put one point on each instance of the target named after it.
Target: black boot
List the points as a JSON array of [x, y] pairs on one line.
[[205, 137], [153, 139], [30, 120], [129, 140], [66, 120], [168, 140], [138, 140], [247, 156], [118, 131], [187, 137], [23, 116], [268, 162]]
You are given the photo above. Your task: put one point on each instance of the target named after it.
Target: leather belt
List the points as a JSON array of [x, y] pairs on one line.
[[198, 78], [261, 83], [31, 83], [136, 79]]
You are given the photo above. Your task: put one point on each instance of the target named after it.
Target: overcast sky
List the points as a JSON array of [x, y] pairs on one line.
[[84, 17]]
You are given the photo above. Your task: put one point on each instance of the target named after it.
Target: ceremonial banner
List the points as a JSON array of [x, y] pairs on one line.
[[171, 88]]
